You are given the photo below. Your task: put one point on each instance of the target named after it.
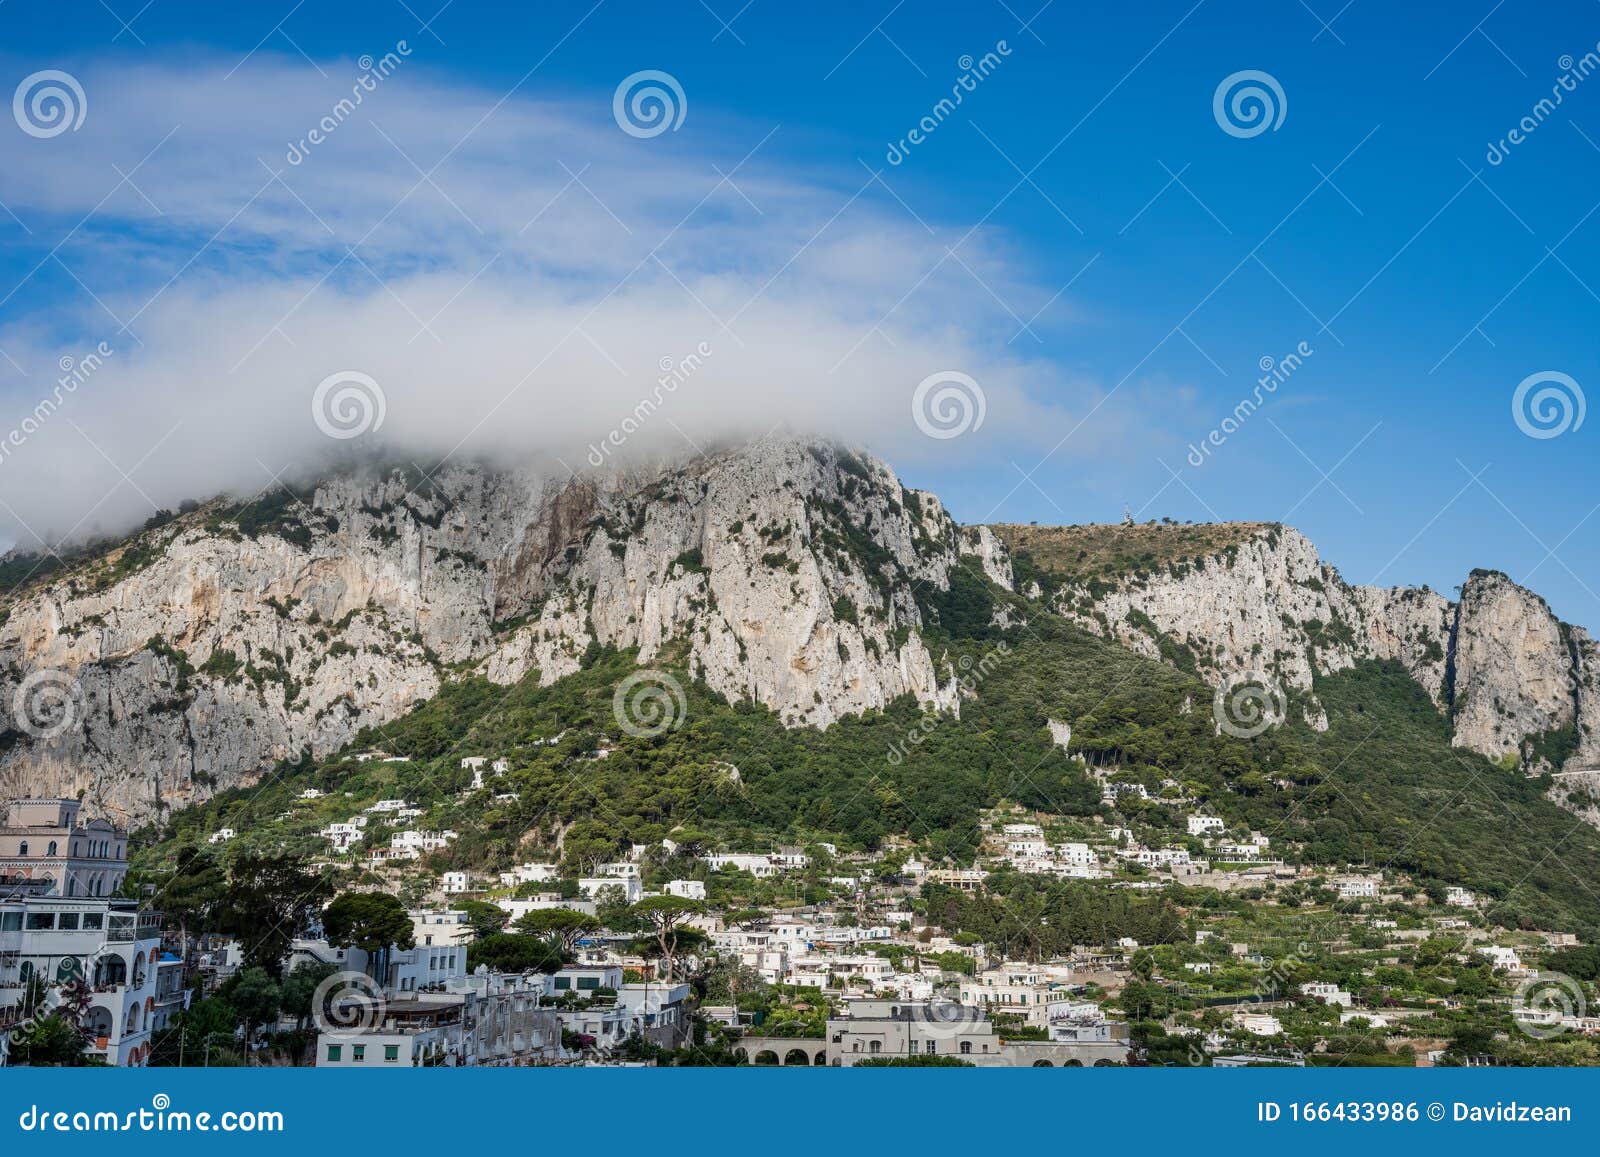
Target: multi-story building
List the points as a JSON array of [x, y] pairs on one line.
[[109, 945], [47, 846], [885, 1028], [483, 1021]]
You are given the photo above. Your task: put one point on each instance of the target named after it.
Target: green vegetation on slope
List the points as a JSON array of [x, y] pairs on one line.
[[1383, 785]]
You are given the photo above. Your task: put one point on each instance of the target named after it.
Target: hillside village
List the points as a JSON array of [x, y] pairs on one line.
[[1215, 951]]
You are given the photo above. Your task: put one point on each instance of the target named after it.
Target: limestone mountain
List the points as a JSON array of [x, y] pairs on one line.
[[798, 575], [1517, 684], [210, 646]]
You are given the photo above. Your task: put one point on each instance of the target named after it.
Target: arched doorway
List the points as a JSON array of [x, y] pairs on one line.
[[765, 1057], [796, 1057]]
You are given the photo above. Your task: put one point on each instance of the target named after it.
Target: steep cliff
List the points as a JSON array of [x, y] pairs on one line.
[[1255, 598], [206, 649]]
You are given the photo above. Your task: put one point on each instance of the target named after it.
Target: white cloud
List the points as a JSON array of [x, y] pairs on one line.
[[516, 301]]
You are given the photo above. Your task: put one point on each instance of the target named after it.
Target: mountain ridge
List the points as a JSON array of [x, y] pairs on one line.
[[794, 573]]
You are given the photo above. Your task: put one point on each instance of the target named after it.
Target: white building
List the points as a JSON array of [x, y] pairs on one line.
[[109, 945], [1258, 1023], [483, 1021], [1200, 825], [1327, 993], [687, 889], [454, 883], [528, 874], [631, 888]]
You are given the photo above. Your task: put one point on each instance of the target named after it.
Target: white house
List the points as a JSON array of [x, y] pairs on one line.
[[455, 883], [687, 889], [1200, 825], [1258, 1023], [1327, 993], [631, 887], [109, 945]]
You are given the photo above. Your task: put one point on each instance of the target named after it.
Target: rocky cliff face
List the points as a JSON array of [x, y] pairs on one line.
[[1512, 667], [201, 652], [1514, 679]]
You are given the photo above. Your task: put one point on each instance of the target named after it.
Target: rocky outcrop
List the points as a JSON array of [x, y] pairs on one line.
[[785, 571], [207, 648], [1514, 679], [1512, 667], [204, 651], [1269, 604]]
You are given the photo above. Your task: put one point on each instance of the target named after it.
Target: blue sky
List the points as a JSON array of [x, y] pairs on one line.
[[1080, 236]]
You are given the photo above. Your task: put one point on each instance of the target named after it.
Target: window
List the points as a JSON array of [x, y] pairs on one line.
[[41, 921], [10, 921], [334, 1052], [358, 1053], [68, 922], [588, 982], [93, 920], [875, 1046], [51, 850], [930, 1047], [966, 1046], [22, 848], [563, 983], [391, 1052]]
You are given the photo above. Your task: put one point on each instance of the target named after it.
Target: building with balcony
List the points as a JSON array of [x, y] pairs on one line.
[[110, 945], [47, 847]]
